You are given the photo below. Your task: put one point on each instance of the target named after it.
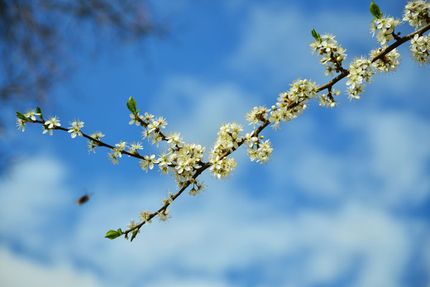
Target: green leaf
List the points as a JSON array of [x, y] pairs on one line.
[[316, 35], [134, 234], [374, 10], [131, 105], [21, 116], [112, 234], [39, 111]]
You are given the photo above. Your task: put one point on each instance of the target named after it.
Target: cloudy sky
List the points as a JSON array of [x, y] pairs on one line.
[[344, 200]]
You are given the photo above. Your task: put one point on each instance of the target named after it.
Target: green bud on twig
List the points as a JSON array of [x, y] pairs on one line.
[[316, 35], [131, 105], [21, 116], [112, 234], [374, 10]]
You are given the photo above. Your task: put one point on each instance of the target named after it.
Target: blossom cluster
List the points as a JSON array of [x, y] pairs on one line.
[[387, 63], [417, 13], [332, 54], [360, 71], [227, 141], [258, 150], [257, 115], [290, 104], [420, 48], [383, 28]]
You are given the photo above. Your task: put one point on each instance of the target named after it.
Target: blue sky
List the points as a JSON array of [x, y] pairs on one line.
[[344, 200]]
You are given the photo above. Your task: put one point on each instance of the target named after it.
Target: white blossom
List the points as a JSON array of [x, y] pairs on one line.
[[420, 48], [417, 13], [360, 71], [135, 147], [387, 63], [256, 115], [222, 167], [116, 153], [260, 151], [145, 216], [93, 144], [148, 162], [50, 125], [332, 54], [383, 28], [75, 128], [134, 119], [164, 215], [20, 124], [31, 115]]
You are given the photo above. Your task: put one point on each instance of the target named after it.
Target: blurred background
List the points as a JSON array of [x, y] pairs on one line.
[[344, 200]]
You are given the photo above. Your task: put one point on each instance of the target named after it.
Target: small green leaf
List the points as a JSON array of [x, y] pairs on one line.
[[134, 234], [112, 234], [21, 116], [374, 10], [39, 112], [131, 105], [316, 35]]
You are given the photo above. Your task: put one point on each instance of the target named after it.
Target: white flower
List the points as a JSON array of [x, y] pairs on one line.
[[148, 162], [360, 71], [134, 119], [20, 124], [116, 153], [145, 216], [93, 144], [135, 147], [260, 151], [387, 63], [163, 215], [256, 115], [383, 28], [75, 128], [175, 139], [31, 115], [52, 123], [417, 13], [164, 163], [222, 167], [196, 189], [420, 48], [332, 53]]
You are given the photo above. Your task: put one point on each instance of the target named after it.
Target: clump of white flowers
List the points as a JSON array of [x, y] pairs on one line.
[[383, 28], [417, 13], [116, 153], [92, 145], [290, 104], [75, 128], [327, 100], [332, 54], [420, 48], [227, 141], [257, 115], [360, 71], [258, 150], [186, 161], [387, 63]]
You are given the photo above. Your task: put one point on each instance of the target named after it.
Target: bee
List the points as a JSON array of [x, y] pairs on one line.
[[83, 199]]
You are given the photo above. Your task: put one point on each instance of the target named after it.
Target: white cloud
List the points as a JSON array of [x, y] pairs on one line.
[[276, 40], [222, 230], [198, 109], [20, 271]]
